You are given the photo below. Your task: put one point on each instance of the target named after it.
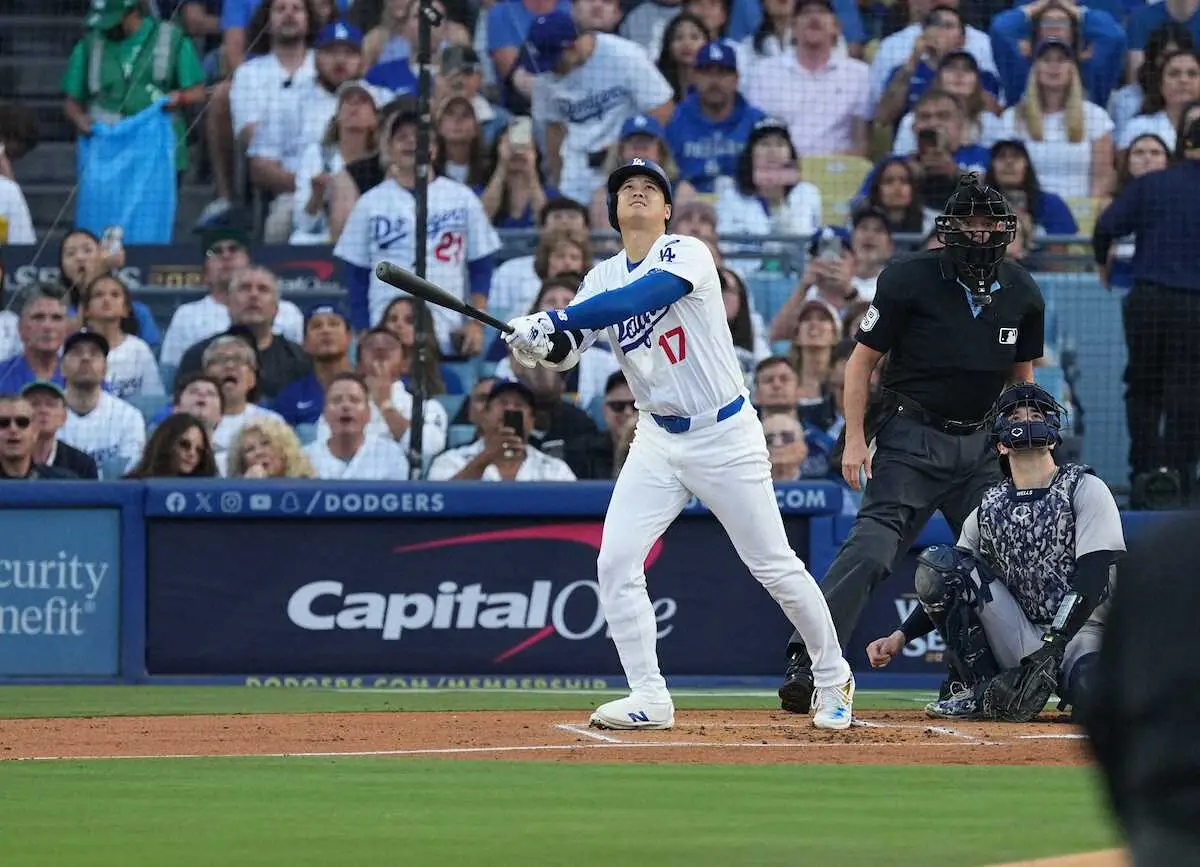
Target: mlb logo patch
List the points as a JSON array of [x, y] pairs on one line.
[[1008, 337]]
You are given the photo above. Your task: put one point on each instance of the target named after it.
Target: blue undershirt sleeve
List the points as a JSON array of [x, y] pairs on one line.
[[653, 291]]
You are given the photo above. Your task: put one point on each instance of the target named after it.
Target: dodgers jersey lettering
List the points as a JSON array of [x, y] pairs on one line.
[[382, 226], [678, 360]]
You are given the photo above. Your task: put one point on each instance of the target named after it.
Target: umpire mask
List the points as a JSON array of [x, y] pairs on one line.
[[976, 228]]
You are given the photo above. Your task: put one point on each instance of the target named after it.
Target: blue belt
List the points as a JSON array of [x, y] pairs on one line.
[[678, 424]]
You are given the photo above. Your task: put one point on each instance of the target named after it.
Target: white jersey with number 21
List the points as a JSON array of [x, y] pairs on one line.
[[382, 226], [678, 360]]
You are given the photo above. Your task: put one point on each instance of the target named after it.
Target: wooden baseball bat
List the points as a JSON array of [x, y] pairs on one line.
[[409, 282]]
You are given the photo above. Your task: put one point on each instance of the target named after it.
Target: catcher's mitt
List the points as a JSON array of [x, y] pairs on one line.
[[1019, 694]]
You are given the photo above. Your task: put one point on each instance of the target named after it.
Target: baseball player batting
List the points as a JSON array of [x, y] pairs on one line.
[[660, 301]]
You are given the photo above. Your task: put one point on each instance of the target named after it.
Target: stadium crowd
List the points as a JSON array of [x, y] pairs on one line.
[[840, 126]]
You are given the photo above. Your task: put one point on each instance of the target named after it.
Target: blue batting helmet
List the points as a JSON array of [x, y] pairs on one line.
[[1043, 422], [621, 174]]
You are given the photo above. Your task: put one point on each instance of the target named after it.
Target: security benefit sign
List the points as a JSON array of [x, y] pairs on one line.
[[466, 596], [59, 592]]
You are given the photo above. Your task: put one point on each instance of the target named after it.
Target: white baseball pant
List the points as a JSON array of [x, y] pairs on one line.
[[727, 467]]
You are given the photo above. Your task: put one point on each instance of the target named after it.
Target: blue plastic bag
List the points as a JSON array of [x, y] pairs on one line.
[[127, 177]]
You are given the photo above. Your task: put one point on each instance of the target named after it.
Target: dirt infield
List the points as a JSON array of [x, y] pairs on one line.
[[733, 737]]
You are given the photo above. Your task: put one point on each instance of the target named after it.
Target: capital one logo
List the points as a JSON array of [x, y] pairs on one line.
[[572, 612]]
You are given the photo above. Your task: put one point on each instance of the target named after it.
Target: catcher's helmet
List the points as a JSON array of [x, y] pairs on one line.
[[621, 174], [1038, 427], [975, 251]]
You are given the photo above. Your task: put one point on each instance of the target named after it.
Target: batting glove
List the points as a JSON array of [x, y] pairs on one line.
[[530, 338]]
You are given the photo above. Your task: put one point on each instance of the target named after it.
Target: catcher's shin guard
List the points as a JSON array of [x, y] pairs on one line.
[[948, 594]]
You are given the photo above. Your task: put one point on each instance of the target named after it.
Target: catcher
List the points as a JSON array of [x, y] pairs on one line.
[[1020, 602]]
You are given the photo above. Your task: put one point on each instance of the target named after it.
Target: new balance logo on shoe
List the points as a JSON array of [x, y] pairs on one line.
[[640, 716]]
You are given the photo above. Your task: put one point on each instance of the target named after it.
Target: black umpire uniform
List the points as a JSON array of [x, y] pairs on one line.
[[1162, 313], [956, 324]]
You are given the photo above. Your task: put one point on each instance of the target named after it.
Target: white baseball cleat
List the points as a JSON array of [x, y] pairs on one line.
[[634, 713], [833, 706]]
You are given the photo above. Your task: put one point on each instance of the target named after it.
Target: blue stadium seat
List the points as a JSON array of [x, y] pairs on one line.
[[770, 291], [459, 435], [150, 406], [168, 376], [468, 371], [306, 433], [781, 347], [452, 403]]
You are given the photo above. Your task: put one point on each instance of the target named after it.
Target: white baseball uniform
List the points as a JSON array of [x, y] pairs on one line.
[[592, 102], [382, 224], [684, 374]]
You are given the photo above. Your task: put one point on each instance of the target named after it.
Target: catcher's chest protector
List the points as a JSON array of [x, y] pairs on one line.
[[1030, 541]]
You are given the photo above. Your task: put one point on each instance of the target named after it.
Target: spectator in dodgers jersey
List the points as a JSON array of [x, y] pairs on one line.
[[501, 454], [299, 119], [348, 453], [178, 448], [106, 306], [712, 125], [327, 341], [895, 49], [380, 360], [400, 318], [108, 429], [583, 87], [940, 44], [49, 403], [17, 436], [236, 109], [233, 361], [821, 96], [226, 252], [254, 306], [42, 326], [200, 395], [461, 241]]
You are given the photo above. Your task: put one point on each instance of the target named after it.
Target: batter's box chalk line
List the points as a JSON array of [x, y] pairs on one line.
[[936, 729]]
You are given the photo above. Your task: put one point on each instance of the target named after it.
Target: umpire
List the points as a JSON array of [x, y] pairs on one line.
[[1162, 312], [956, 324]]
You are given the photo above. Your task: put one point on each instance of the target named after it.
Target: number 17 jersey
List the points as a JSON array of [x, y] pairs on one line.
[[679, 360]]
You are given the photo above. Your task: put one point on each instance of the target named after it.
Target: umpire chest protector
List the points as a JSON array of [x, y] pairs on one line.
[[1029, 539]]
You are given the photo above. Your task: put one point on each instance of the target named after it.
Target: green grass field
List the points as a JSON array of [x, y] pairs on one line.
[[351, 811]]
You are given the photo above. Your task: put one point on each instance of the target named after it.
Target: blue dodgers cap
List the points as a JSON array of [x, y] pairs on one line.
[[718, 53], [339, 33], [643, 124], [826, 235], [1046, 44], [324, 310], [549, 36]]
